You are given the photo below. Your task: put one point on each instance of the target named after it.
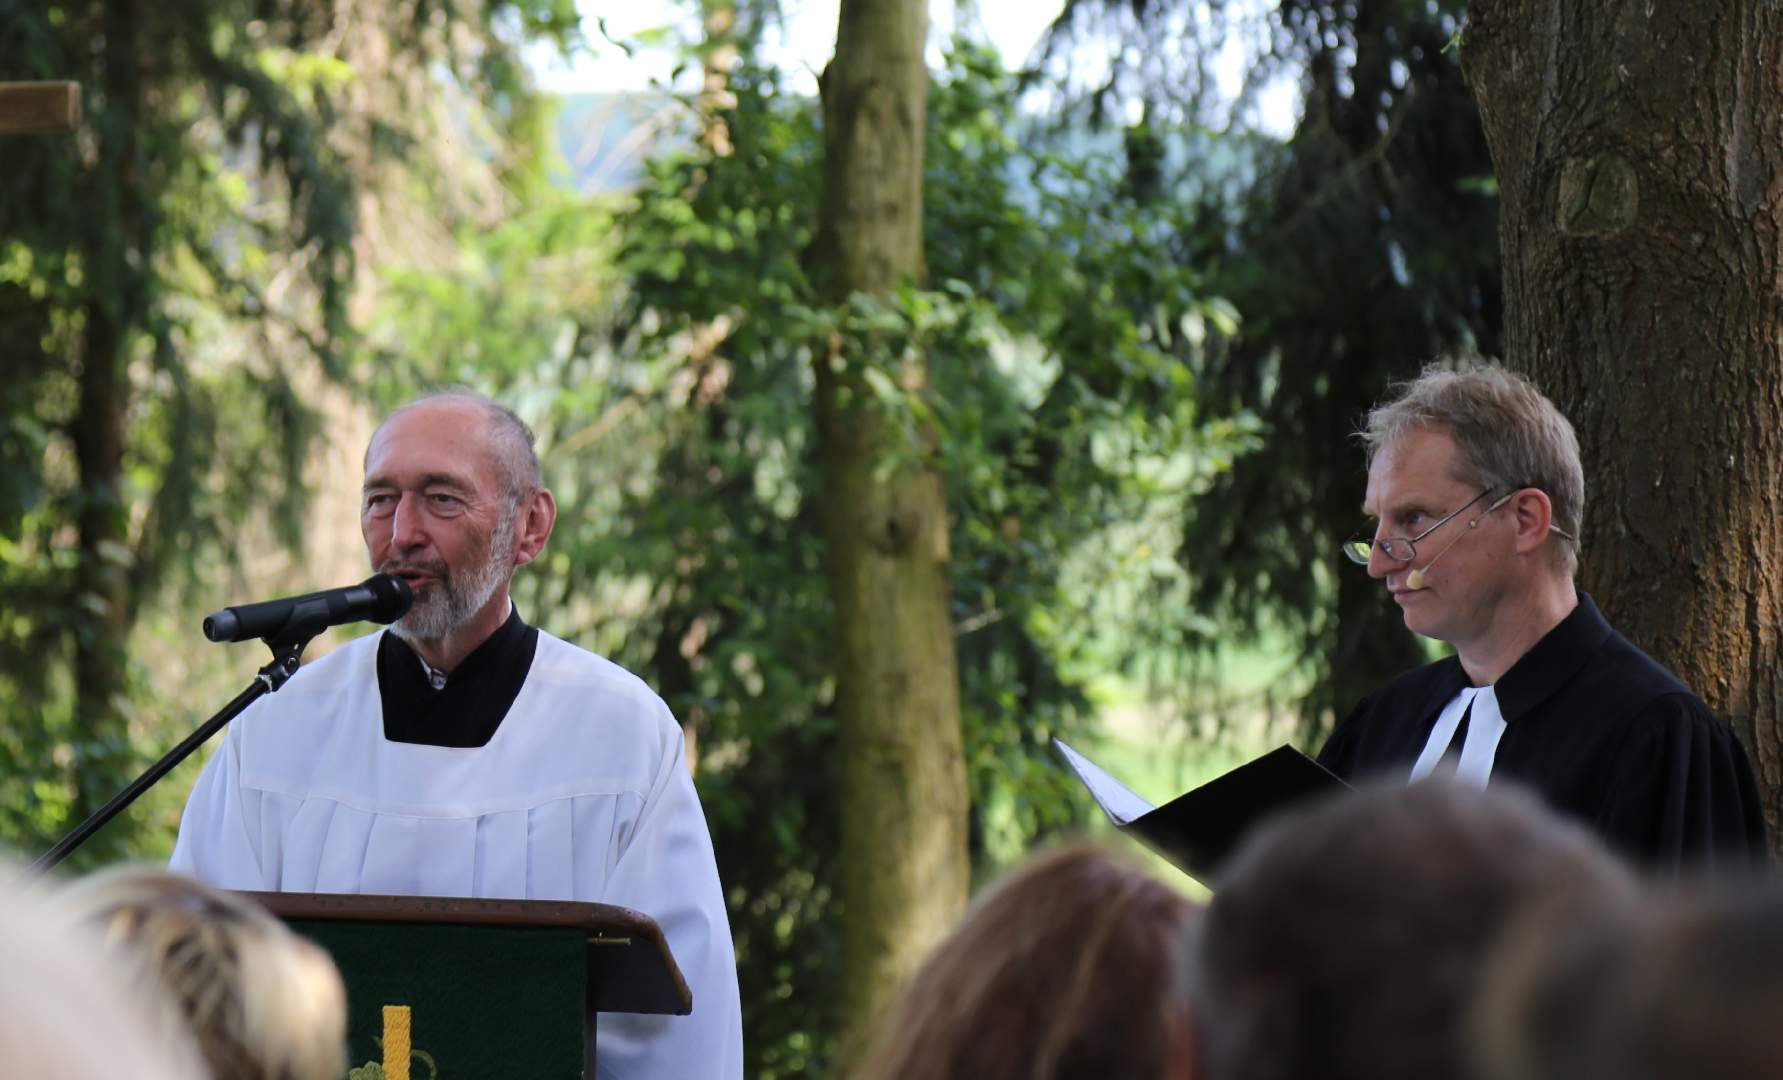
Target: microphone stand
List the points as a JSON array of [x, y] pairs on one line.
[[287, 651]]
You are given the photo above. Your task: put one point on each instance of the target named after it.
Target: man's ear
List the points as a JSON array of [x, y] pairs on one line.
[[1533, 512], [538, 514]]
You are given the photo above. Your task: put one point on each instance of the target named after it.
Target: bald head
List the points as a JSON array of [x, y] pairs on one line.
[[506, 438]]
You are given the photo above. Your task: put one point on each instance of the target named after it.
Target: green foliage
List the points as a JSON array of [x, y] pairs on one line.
[[125, 247], [173, 286], [1358, 251], [1369, 250]]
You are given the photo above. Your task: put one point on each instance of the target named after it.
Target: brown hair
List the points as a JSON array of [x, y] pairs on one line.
[[1345, 939], [1064, 970], [1684, 986], [262, 1003]]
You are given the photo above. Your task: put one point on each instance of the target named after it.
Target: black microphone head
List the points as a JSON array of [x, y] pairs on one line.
[[392, 597], [221, 625]]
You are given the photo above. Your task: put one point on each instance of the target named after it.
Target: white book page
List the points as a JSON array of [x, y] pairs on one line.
[[1116, 799]]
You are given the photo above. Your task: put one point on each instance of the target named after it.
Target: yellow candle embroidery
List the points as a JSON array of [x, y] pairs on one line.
[[396, 1042]]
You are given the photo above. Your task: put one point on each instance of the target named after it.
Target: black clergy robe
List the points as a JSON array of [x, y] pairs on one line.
[[1600, 731]]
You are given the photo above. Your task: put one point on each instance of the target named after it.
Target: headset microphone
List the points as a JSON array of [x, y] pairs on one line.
[[1419, 579]]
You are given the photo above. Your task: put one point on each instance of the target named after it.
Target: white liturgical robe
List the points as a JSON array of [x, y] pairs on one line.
[[582, 793]]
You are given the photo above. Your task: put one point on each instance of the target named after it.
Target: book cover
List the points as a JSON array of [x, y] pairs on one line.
[[1199, 829]]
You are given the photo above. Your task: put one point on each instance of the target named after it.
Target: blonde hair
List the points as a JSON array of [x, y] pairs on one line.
[[262, 1003], [1507, 435], [63, 1013]]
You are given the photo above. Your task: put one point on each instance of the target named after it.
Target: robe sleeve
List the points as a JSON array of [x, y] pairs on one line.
[[1339, 752], [1680, 793], [218, 830], [667, 870]]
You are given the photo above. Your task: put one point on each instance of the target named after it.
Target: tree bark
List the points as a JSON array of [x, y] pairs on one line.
[[903, 814], [115, 249], [1639, 154], [722, 55]]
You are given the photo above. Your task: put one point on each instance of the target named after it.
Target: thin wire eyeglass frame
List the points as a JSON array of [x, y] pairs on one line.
[[1359, 551]]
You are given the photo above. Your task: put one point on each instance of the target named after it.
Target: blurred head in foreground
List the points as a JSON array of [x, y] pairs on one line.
[[1683, 988], [262, 1003], [1345, 939], [1063, 970], [64, 1014]]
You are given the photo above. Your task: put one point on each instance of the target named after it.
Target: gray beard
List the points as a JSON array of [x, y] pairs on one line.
[[454, 599]]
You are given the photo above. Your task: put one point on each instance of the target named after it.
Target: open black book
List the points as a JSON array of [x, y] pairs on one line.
[[1198, 829]]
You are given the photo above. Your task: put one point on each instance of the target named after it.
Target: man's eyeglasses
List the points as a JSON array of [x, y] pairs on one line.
[[1404, 548]]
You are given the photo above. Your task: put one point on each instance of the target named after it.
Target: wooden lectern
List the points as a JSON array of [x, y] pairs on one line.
[[449, 987]]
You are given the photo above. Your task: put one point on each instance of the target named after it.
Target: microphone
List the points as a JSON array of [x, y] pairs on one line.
[[1419, 579], [381, 598]]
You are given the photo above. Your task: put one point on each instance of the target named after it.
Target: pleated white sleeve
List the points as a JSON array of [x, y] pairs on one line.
[[657, 873]]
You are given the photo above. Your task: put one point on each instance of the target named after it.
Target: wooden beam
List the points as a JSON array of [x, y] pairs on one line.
[[39, 108]]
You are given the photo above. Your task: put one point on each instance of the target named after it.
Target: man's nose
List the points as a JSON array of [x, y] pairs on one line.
[[407, 527], [1380, 564]]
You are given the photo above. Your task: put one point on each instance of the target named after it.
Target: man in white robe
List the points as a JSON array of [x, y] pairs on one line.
[[464, 753]]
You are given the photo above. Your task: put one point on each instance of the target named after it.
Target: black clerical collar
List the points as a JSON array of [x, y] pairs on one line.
[[1553, 661], [1538, 673], [466, 711]]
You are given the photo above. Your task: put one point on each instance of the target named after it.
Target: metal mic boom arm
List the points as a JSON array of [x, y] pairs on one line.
[[287, 653]]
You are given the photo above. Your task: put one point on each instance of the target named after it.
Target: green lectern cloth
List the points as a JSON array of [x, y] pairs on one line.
[[484, 1001]]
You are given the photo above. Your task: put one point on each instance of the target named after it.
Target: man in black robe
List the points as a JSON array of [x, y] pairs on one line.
[[1475, 483]]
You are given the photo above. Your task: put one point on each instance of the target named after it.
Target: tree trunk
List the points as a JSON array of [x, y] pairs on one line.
[[1639, 154], [101, 615], [904, 855], [116, 249], [721, 57]]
